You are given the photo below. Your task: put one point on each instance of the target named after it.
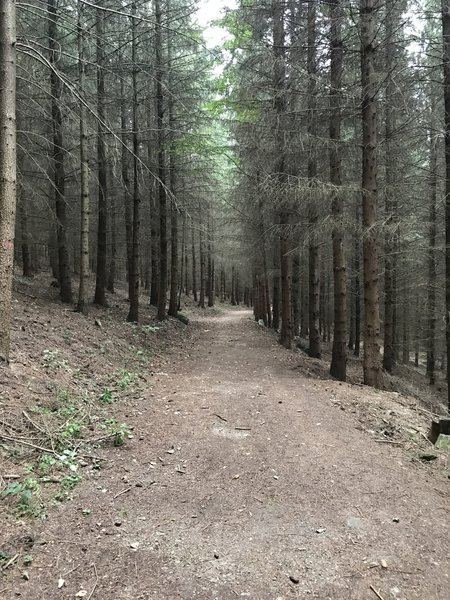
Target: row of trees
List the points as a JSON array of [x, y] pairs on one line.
[[116, 154], [341, 127], [328, 191]]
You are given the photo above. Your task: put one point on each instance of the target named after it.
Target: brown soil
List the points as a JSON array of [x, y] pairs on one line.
[[246, 479]]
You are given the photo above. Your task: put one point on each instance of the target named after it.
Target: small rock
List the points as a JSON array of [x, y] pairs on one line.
[[321, 530], [295, 579], [396, 520], [216, 555], [118, 523], [383, 563]]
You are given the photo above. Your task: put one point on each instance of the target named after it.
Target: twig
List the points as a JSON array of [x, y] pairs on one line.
[[243, 428], [25, 294], [35, 425], [9, 426], [24, 443], [376, 593], [71, 571], [388, 442], [221, 418], [41, 448], [11, 561], [95, 584], [122, 492], [425, 437]]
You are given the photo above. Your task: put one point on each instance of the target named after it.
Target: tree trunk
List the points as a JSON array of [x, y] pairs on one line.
[[7, 167], [314, 256], [296, 293], [100, 281], [211, 276], [446, 42], [125, 174], [279, 81], [133, 279], [173, 301], [183, 273], [431, 303], [201, 302], [82, 305], [194, 265], [58, 158], [276, 288], [113, 255], [338, 367], [389, 292], [27, 266], [372, 356], [163, 258]]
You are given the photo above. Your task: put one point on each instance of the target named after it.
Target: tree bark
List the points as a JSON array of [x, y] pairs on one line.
[[163, 258], [201, 301], [194, 264], [446, 61], [58, 157], [82, 305], [338, 367], [279, 82], [133, 279], [432, 271], [27, 265], [372, 356], [313, 252], [7, 167], [100, 281], [389, 291]]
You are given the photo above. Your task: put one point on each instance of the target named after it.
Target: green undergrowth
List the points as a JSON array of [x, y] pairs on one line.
[[56, 441]]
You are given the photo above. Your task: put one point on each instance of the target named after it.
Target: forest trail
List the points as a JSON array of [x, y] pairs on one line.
[[243, 480]]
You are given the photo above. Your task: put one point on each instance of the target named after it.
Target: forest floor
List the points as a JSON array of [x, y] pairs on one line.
[[244, 476]]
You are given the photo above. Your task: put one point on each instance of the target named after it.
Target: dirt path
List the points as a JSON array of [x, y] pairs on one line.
[[242, 474]]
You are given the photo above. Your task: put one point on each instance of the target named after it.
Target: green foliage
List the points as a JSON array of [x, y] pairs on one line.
[[150, 328], [124, 378], [50, 360], [144, 356], [106, 397], [4, 556], [118, 431], [26, 495]]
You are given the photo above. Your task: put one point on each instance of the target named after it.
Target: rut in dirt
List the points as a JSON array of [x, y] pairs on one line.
[[244, 480]]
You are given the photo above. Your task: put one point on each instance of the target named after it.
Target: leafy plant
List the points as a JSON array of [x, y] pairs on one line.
[[150, 328], [25, 491], [118, 431], [27, 560], [106, 396], [50, 359], [124, 378]]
